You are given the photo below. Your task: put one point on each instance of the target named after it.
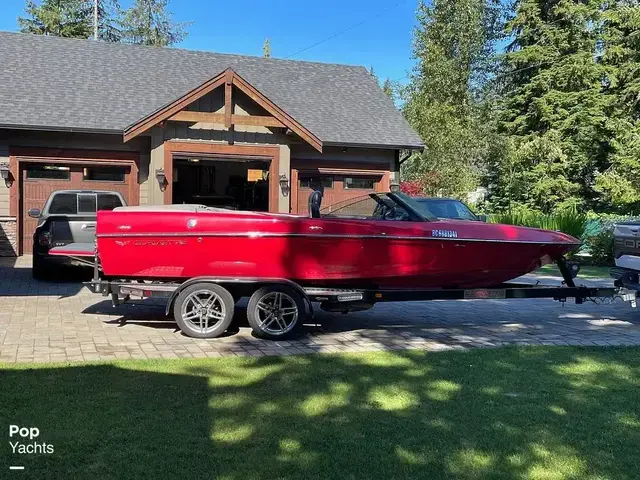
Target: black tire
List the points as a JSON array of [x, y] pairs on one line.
[[198, 327], [41, 268], [257, 316]]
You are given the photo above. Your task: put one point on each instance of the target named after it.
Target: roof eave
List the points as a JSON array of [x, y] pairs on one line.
[[381, 146], [51, 128]]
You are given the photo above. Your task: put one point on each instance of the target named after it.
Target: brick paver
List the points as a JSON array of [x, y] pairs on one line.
[[49, 322]]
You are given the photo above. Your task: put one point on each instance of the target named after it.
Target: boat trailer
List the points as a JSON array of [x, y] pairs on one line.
[[277, 306]]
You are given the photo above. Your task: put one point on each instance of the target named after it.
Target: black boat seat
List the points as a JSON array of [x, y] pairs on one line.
[[315, 201]]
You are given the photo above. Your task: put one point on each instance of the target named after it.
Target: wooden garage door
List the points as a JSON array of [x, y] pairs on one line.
[[39, 180], [337, 188]]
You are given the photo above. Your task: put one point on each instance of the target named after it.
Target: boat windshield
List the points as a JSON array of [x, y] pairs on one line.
[[378, 206]]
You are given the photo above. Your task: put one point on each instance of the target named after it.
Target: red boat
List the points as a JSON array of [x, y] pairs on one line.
[[379, 248], [384, 240]]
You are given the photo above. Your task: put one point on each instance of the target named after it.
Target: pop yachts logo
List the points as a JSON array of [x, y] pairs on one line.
[[23, 441]]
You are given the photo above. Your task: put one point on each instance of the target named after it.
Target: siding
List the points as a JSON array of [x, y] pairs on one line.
[[304, 153]]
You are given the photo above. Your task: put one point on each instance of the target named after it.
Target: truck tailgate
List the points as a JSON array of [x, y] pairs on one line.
[[74, 250]]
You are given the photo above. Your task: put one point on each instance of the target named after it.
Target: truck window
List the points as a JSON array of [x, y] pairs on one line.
[[86, 203], [108, 201], [64, 204]]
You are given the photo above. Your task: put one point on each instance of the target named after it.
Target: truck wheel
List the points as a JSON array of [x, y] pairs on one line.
[[275, 311], [41, 269], [203, 310]]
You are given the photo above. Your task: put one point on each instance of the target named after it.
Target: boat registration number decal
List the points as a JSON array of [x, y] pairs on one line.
[[444, 233], [485, 293]]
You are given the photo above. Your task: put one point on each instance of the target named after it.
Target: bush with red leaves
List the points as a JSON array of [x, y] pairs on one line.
[[412, 188]]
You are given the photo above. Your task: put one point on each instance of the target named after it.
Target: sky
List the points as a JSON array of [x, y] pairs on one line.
[[380, 37]]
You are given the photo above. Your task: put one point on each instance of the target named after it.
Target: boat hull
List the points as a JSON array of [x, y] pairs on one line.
[[321, 252]]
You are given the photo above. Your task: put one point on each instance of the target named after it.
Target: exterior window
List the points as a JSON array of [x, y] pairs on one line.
[[104, 174], [307, 180], [50, 172], [108, 201], [358, 182]]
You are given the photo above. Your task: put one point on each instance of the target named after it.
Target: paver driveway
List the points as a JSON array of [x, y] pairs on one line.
[[44, 321]]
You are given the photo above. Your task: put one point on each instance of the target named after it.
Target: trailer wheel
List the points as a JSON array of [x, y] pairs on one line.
[[275, 311], [203, 310]]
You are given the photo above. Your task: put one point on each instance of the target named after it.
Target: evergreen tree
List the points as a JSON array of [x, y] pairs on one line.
[[387, 88], [60, 18], [372, 73], [71, 18], [555, 105], [619, 184], [266, 48], [147, 22], [445, 99], [108, 14]]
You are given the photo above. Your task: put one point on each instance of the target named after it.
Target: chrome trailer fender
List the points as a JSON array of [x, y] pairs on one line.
[[235, 281]]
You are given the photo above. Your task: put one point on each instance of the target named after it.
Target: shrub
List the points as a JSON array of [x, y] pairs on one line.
[[569, 222], [600, 246], [412, 188]]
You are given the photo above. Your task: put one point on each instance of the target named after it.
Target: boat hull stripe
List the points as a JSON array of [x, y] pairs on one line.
[[320, 235]]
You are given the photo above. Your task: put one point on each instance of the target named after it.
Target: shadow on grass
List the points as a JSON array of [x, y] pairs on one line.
[[504, 413]]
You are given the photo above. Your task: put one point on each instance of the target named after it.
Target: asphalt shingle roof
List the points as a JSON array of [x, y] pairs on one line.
[[58, 83]]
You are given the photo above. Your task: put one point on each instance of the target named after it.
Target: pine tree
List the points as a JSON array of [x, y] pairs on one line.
[[554, 103], [60, 18], [71, 18], [372, 73], [147, 22], [453, 44], [108, 13], [266, 48], [619, 184], [388, 89]]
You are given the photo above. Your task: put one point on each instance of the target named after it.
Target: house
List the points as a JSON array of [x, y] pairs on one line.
[[163, 125]]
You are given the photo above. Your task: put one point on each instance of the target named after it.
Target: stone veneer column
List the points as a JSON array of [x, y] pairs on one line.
[[8, 226]]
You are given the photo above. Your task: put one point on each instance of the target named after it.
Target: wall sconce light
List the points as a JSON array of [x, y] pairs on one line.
[[162, 179], [5, 174], [284, 184]]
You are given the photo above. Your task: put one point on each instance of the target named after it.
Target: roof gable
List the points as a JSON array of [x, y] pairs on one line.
[[69, 84], [227, 78]]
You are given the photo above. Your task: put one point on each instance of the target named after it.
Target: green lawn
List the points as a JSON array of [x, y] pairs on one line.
[[531, 413], [586, 271]]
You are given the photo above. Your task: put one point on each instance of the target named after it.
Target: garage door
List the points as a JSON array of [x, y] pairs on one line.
[[337, 188], [39, 180]]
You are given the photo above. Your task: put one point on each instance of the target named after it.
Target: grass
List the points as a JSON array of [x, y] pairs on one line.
[[586, 271], [533, 413]]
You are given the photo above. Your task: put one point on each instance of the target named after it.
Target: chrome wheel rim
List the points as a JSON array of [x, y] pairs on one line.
[[277, 313], [203, 310]]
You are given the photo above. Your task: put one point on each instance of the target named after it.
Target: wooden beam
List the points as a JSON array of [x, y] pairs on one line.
[[169, 110], [228, 105], [195, 117], [256, 120], [208, 117]]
